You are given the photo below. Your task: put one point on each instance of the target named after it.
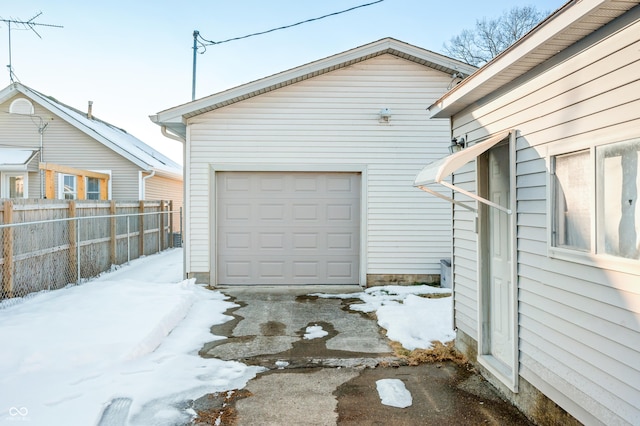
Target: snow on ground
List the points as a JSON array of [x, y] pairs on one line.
[[66, 354], [133, 334], [394, 393], [412, 320], [314, 332]]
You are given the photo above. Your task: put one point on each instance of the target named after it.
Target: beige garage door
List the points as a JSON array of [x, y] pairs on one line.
[[287, 228]]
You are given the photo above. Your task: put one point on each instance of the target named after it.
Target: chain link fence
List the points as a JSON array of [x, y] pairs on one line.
[[52, 254]]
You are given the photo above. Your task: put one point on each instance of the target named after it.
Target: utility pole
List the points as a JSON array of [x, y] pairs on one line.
[[30, 24], [196, 33]]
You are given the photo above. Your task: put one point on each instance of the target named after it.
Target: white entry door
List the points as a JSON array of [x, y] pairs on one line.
[[287, 228], [499, 287]]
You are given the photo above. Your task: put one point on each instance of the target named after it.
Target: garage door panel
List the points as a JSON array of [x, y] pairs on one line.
[[238, 240], [236, 212], [238, 270], [339, 269], [340, 213], [274, 269], [306, 241], [287, 228], [306, 270], [271, 212], [306, 213], [342, 184], [340, 241]]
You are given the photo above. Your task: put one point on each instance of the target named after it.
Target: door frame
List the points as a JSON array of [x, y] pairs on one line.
[[507, 373], [247, 167], [6, 186]]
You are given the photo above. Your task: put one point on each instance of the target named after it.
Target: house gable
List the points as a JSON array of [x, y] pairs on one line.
[[175, 118], [114, 138]]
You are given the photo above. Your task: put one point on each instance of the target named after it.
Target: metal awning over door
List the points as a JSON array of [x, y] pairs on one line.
[[16, 159], [438, 171]]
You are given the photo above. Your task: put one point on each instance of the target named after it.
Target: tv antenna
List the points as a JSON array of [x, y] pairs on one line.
[[25, 25]]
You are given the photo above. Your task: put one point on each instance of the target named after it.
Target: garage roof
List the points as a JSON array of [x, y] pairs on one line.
[[175, 118]]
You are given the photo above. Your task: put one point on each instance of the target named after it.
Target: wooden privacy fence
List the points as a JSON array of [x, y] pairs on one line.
[[49, 244]]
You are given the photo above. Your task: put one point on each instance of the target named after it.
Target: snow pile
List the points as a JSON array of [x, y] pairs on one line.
[[67, 354], [314, 332], [412, 320], [418, 321], [393, 392]]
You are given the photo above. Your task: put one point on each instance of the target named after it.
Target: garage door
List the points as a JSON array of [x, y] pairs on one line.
[[287, 228]]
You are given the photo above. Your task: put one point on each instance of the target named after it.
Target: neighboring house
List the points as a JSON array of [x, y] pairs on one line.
[[50, 150], [304, 177], [546, 266]]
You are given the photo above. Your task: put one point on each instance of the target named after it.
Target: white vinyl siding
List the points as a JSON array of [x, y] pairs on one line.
[[163, 188], [332, 119], [579, 324], [465, 252]]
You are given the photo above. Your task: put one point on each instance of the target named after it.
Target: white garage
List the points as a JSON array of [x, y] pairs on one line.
[[287, 228], [306, 176]]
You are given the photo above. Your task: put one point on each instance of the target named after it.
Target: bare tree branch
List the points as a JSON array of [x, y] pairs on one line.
[[492, 36]]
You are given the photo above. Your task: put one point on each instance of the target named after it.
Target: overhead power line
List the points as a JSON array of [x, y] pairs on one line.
[[204, 42], [201, 42]]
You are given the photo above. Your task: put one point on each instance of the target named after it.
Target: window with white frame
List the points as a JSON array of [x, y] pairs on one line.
[[93, 188], [572, 213], [69, 187], [595, 200], [618, 172]]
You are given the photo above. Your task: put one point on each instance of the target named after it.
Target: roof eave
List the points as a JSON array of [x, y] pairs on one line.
[[498, 72], [168, 174]]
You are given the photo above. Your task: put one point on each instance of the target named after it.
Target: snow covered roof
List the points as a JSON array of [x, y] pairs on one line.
[[175, 118], [112, 137]]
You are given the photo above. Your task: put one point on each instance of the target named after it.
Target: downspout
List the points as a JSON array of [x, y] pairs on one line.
[[165, 133], [143, 187], [41, 131]]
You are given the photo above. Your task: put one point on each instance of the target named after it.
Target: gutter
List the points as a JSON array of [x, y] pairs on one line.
[[166, 133], [144, 184]]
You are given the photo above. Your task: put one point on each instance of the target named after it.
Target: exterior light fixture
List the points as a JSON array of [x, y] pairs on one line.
[[457, 144], [385, 115]]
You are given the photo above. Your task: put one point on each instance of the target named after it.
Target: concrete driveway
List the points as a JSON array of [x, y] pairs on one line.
[[332, 380]]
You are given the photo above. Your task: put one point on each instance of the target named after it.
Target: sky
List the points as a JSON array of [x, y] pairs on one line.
[[133, 335], [135, 58]]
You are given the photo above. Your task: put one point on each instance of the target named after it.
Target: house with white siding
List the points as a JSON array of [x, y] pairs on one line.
[[304, 177], [51, 150], [546, 223]]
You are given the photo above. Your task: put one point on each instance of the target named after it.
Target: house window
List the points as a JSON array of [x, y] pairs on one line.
[[69, 187], [618, 172], [595, 200], [93, 188], [572, 224], [16, 186]]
